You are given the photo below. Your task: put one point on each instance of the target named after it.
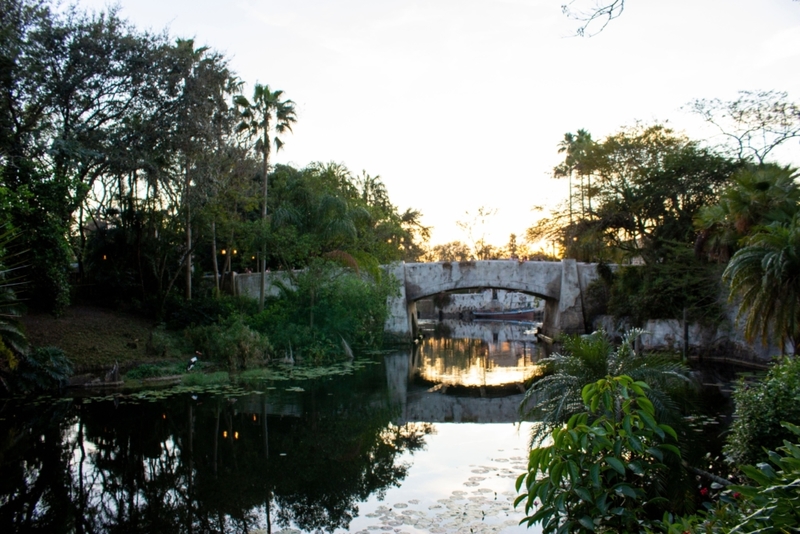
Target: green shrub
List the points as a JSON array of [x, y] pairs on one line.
[[760, 408], [326, 305], [149, 370], [604, 469], [771, 505], [775, 502], [167, 344], [660, 290], [45, 368], [232, 343]]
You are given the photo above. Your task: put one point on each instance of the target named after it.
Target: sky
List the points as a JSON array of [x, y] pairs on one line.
[[461, 104]]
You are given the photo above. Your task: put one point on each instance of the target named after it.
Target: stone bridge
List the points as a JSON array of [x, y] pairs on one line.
[[561, 284]]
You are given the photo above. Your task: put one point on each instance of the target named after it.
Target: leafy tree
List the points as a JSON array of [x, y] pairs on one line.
[[644, 186], [74, 87], [765, 277], [554, 398], [201, 114], [603, 469], [323, 209]]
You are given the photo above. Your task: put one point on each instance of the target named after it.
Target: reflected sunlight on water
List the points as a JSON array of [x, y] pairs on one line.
[[472, 362]]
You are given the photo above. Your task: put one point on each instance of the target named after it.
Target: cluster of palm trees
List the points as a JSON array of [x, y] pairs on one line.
[[757, 225]]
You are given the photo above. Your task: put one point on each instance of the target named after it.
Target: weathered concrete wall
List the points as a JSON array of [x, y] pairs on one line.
[[538, 278], [399, 322], [249, 284], [725, 340], [569, 317]]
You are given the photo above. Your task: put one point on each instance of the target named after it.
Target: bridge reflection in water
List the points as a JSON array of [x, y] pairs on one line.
[[465, 372]]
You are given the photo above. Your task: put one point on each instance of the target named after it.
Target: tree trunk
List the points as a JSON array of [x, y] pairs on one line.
[[264, 187], [188, 266], [214, 257]]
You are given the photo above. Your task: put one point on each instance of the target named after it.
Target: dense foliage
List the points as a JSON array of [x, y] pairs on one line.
[[605, 471], [660, 291], [605, 468], [632, 194], [761, 407], [554, 398], [327, 310], [634, 197]]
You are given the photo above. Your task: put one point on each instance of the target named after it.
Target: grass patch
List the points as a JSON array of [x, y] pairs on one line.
[[96, 338], [151, 370]]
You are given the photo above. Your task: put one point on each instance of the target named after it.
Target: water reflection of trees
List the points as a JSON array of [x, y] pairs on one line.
[[199, 465]]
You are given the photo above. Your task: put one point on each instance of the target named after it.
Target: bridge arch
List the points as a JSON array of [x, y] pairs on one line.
[[562, 285]]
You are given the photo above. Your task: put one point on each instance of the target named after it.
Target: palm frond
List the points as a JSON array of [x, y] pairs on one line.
[[554, 398]]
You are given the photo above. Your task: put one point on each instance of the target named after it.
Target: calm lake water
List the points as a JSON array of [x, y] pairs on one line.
[[414, 441]]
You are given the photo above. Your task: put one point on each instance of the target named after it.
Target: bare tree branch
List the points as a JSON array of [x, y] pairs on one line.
[[601, 13]]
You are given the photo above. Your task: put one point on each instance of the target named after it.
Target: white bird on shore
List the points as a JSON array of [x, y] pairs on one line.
[[193, 360]]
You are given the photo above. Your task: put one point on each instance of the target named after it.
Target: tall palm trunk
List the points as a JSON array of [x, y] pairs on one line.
[[264, 189]]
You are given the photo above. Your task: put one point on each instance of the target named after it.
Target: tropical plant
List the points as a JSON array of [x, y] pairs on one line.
[[325, 304], [603, 470], [757, 195], [576, 149], [765, 276], [42, 369], [761, 406], [553, 399], [774, 504]]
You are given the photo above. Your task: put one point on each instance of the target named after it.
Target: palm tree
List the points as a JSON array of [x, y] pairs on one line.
[[766, 275], [758, 195], [265, 118], [554, 398]]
